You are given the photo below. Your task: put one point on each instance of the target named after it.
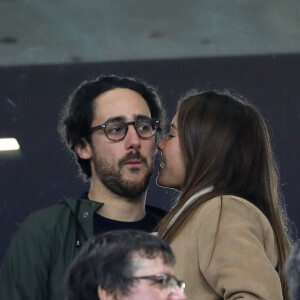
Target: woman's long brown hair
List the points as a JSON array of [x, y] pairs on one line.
[[226, 144]]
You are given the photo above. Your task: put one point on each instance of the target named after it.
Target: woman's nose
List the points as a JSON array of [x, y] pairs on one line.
[[160, 144]]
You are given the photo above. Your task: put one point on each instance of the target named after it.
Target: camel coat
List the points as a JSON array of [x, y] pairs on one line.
[[242, 264]]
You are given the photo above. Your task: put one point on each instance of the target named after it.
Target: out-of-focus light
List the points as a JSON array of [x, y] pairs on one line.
[[9, 144]]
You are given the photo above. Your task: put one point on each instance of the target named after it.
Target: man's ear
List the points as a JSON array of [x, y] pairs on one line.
[[106, 295], [84, 150]]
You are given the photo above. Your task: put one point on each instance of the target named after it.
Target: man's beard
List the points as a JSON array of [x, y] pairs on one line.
[[112, 178]]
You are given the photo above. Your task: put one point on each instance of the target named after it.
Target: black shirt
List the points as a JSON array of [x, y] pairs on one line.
[[148, 223], [102, 224]]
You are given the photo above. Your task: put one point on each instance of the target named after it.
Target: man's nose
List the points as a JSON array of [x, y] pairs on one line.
[[132, 138], [177, 294]]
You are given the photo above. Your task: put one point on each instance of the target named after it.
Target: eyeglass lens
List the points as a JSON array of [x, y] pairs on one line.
[[118, 130], [169, 281], [172, 282]]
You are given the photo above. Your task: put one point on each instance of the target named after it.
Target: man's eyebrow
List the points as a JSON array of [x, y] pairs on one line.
[[123, 118], [116, 119], [139, 117]]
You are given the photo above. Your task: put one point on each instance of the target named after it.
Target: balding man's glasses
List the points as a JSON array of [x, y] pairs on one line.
[[116, 130], [166, 281]]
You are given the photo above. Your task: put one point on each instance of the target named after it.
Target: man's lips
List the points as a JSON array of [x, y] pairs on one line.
[[133, 162], [133, 159]]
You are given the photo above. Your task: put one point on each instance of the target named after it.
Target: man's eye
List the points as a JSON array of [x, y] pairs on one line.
[[164, 281], [144, 126], [160, 281], [114, 128]]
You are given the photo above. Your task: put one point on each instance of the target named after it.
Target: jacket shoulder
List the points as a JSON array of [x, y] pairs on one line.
[[235, 205], [47, 214], [46, 218]]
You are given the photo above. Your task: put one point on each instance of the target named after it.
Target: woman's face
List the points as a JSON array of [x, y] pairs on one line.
[[172, 167]]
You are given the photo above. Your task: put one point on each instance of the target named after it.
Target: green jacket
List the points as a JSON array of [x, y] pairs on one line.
[[43, 248]]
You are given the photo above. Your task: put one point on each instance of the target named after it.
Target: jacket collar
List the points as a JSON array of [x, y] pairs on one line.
[[86, 206], [83, 211], [188, 203]]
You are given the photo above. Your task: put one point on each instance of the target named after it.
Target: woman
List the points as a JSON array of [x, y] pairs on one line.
[[228, 228]]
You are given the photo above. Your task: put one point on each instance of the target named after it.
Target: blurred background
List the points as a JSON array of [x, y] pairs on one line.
[[48, 47]]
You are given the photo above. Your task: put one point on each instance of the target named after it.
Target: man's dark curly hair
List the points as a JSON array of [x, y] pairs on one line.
[[78, 114]]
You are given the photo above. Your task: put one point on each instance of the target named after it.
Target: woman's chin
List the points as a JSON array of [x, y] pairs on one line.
[[164, 183], [161, 182]]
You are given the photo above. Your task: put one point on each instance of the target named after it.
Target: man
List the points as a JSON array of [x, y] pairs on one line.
[[111, 125], [124, 265]]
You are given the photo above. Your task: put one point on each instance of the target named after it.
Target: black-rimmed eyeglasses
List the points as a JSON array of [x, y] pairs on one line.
[[117, 130], [166, 281]]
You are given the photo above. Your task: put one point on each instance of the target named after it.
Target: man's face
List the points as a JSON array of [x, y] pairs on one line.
[[150, 290], [125, 166]]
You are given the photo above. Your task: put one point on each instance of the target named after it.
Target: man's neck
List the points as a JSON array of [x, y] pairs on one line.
[[117, 207]]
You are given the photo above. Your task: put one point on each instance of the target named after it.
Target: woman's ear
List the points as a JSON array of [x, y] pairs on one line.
[[83, 150], [106, 295]]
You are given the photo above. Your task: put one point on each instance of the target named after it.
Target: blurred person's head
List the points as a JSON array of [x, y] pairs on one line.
[[126, 264]]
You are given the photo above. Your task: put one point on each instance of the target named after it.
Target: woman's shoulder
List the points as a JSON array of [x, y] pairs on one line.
[[233, 204], [233, 220], [232, 209]]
